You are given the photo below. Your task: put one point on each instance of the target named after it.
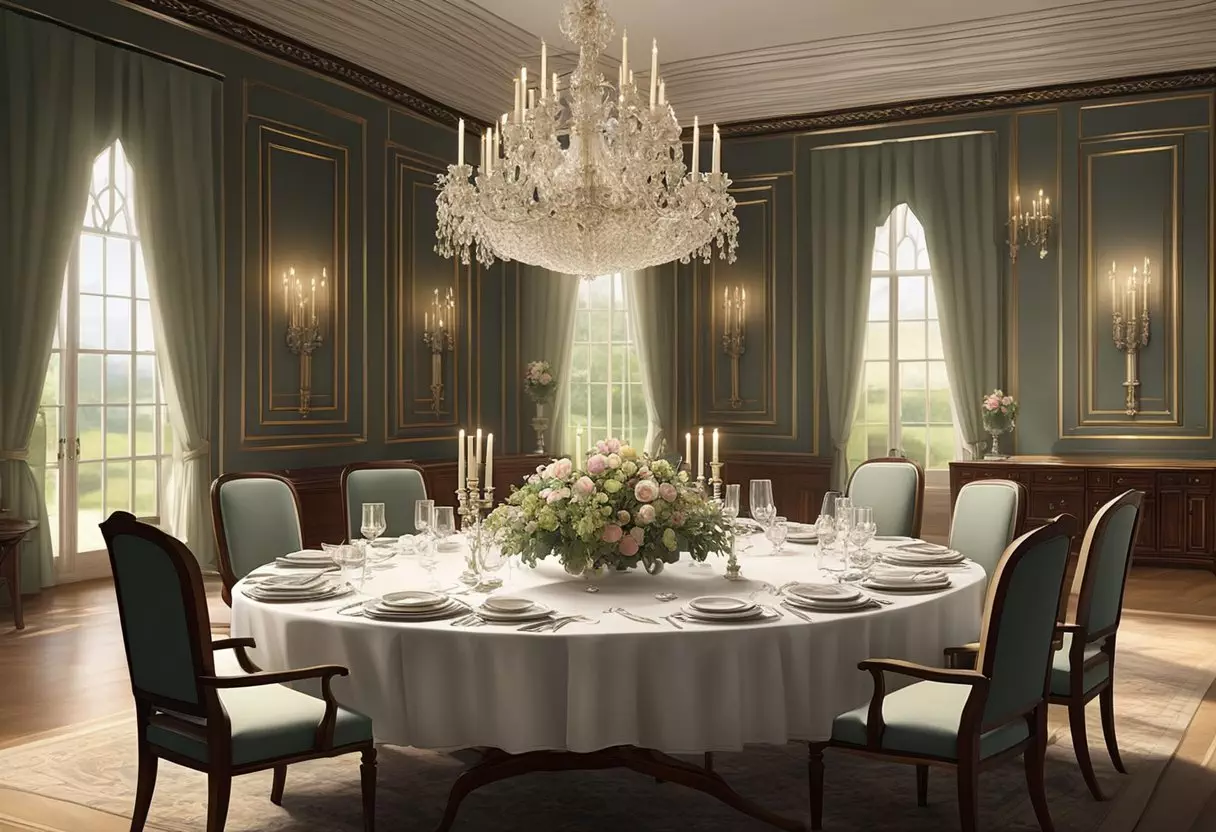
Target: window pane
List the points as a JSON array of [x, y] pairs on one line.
[[911, 297], [882, 241], [141, 274], [941, 446], [934, 338], [599, 365], [880, 299], [601, 292], [620, 326], [166, 431], [599, 405], [118, 324], [911, 340], [877, 392], [582, 326], [118, 379], [939, 394], [578, 404], [50, 385], [88, 379], [145, 489], [145, 430], [89, 507], [145, 378], [90, 259], [878, 338], [88, 428], [877, 443], [118, 425], [118, 486], [118, 267], [912, 442], [51, 416], [932, 299], [51, 493], [912, 395], [92, 327], [905, 255], [144, 340]]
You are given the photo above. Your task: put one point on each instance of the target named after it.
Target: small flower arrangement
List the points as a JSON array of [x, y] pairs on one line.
[[999, 412], [621, 510], [539, 383]]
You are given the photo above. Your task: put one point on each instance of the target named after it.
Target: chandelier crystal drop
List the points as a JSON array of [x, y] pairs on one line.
[[590, 182]]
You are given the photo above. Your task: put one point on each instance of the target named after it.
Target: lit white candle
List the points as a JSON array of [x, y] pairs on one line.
[[624, 53], [531, 99], [700, 472], [715, 456], [654, 73], [662, 93], [489, 462], [471, 473], [555, 86], [460, 143], [544, 68], [490, 139], [717, 163], [483, 152], [460, 477], [696, 146], [523, 86], [688, 449], [477, 449], [518, 104], [497, 134]]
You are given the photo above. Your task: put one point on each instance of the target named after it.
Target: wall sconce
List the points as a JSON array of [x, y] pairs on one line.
[[1130, 323], [1031, 227], [438, 334], [303, 328], [734, 332]]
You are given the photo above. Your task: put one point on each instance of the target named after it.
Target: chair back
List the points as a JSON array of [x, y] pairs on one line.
[[987, 516], [1106, 558], [895, 488], [256, 518], [396, 484], [163, 612], [1020, 620]]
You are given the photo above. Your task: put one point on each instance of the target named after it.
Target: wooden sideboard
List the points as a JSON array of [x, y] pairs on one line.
[[1179, 515]]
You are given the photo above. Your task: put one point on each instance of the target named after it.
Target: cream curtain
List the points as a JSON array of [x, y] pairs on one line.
[[652, 307], [46, 153], [547, 304]]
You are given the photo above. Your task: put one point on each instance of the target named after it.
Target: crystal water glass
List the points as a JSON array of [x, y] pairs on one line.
[[443, 523], [761, 502], [777, 532], [371, 527], [828, 507], [730, 510], [825, 530], [423, 511], [352, 558], [861, 531]]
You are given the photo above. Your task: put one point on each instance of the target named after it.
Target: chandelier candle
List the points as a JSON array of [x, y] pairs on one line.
[[594, 179]]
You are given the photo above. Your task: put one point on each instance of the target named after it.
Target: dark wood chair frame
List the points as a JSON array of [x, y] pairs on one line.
[[972, 724], [918, 507], [206, 719], [384, 464], [229, 577]]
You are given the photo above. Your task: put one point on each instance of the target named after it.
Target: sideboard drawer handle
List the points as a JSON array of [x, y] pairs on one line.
[[1049, 477], [1118, 480], [1063, 506]]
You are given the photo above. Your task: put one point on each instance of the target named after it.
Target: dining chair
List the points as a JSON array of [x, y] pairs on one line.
[[221, 725], [987, 515], [1083, 666], [257, 519], [395, 483], [895, 488], [971, 719]]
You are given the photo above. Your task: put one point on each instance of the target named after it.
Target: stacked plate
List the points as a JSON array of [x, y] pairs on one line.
[[288, 588], [510, 610], [306, 559], [719, 609], [413, 605], [827, 598], [802, 533], [894, 579], [921, 554]]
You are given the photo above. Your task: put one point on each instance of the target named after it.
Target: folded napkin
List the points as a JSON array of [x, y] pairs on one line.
[[920, 547], [893, 576]]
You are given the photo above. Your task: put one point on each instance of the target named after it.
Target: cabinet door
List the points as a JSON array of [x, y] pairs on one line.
[[1146, 538], [1198, 529], [1171, 521]]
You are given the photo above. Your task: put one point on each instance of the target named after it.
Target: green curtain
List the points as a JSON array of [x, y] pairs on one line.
[[652, 307], [950, 184], [46, 153], [547, 304], [167, 118]]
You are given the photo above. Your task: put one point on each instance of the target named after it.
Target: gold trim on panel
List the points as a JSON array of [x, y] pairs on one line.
[[1107, 105]]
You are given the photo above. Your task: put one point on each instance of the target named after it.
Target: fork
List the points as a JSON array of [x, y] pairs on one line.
[[624, 613]]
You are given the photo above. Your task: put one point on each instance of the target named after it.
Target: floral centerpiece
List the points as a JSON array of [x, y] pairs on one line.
[[621, 509], [1000, 415], [539, 383]]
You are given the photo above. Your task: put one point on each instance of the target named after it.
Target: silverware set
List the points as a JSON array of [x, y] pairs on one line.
[[632, 616], [552, 625]]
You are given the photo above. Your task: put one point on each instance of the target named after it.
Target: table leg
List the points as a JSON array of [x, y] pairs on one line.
[[10, 570], [500, 766]]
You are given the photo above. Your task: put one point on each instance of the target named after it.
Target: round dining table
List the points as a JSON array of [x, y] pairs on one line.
[[612, 681]]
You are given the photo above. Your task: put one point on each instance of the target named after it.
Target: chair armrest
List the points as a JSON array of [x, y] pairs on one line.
[[877, 667], [1065, 627], [239, 646], [324, 672]]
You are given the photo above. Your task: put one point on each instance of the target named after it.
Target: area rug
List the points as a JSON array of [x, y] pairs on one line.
[[1165, 667]]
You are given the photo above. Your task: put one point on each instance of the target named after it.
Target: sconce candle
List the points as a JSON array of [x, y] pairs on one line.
[[438, 333], [1032, 227], [734, 333], [303, 330], [1130, 324]]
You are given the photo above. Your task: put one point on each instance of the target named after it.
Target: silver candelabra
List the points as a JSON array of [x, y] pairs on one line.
[[473, 501]]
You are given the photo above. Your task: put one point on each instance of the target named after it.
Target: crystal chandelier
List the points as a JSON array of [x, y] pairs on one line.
[[587, 183]]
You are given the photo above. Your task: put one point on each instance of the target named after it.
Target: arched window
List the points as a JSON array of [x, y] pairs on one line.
[[106, 423], [904, 403]]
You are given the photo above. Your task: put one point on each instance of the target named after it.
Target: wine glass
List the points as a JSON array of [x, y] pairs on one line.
[[761, 502], [825, 530], [353, 560], [730, 510], [861, 528], [777, 532], [844, 521], [443, 524], [371, 527], [828, 507], [423, 511]]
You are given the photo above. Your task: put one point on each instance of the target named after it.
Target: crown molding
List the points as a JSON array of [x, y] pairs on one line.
[[971, 104], [259, 38]]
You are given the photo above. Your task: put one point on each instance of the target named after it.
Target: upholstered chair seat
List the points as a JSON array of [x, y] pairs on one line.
[[895, 489], [399, 485], [1061, 668]]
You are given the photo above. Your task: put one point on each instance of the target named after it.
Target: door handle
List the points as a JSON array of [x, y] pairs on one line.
[[77, 447], [62, 444]]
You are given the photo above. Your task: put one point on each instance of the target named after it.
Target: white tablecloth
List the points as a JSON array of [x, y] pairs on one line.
[[616, 682]]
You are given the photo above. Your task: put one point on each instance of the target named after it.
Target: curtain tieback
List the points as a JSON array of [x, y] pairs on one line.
[[201, 451], [14, 456]]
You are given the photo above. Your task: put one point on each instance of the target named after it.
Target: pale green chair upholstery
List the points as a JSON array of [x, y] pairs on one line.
[[895, 488], [969, 719], [185, 713], [257, 519], [1083, 666], [396, 484], [987, 515]]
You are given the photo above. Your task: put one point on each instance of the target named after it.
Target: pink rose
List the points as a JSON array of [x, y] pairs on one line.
[[623, 517], [612, 533], [644, 472], [628, 546], [614, 460], [638, 534], [584, 487], [668, 492], [1007, 400], [596, 464], [601, 446], [645, 491], [562, 468], [545, 378], [677, 518], [614, 445], [557, 494], [645, 515]]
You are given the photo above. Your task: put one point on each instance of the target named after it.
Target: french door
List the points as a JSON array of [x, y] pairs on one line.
[[104, 416]]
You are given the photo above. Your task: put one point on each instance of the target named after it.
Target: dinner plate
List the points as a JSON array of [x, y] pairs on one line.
[[378, 606], [378, 613], [737, 615], [534, 613], [852, 605], [335, 591], [414, 599], [508, 604], [907, 587], [753, 616], [715, 604], [823, 592]]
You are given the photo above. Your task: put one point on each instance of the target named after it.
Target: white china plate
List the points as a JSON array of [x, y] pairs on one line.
[[716, 604], [910, 588], [534, 613], [279, 598], [894, 537], [303, 564], [376, 613], [853, 605], [802, 538], [896, 560], [378, 606], [737, 615], [823, 592], [758, 614], [508, 605], [412, 599], [448, 545]]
